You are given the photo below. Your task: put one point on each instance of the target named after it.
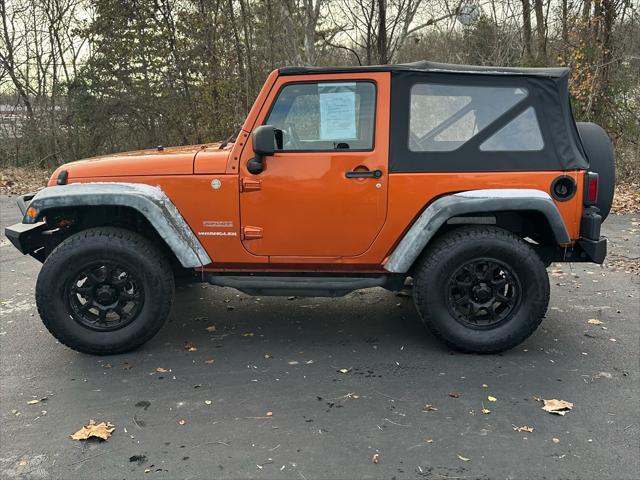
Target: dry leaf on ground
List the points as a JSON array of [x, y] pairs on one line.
[[37, 400], [454, 394], [190, 347], [524, 428], [161, 370], [486, 411], [344, 370], [429, 408], [376, 458], [464, 459], [594, 321], [492, 399], [626, 198], [211, 328], [559, 407], [100, 430]]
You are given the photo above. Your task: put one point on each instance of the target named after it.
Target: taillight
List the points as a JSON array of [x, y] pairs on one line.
[[590, 188]]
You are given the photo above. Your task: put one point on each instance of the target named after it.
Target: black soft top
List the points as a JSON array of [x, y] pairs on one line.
[[432, 67]]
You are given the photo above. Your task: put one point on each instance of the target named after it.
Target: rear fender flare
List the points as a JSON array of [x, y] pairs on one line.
[[472, 201], [149, 201]]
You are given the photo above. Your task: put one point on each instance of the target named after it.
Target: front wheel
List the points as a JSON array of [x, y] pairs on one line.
[[481, 289], [104, 291]]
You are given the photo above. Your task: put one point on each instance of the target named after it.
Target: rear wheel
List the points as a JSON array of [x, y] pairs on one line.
[[481, 289], [104, 291]]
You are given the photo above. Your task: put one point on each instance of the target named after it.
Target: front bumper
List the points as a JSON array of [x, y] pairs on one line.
[[26, 237]]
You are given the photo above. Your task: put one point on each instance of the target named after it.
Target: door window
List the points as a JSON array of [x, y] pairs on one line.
[[325, 116]]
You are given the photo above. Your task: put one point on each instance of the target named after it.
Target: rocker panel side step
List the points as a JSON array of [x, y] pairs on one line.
[[308, 286]]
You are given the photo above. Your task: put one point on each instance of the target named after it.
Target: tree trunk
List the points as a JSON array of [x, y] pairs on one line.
[[381, 40], [541, 31], [526, 29]]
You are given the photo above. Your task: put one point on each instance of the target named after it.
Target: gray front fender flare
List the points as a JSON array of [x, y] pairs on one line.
[[472, 201], [150, 201]]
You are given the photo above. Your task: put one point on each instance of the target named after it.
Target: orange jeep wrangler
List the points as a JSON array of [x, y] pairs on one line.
[[470, 180]]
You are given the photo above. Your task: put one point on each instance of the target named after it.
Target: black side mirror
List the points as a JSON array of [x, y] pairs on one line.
[[265, 138]]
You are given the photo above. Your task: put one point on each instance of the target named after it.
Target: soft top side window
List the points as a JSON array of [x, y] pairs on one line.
[[444, 117], [325, 116]]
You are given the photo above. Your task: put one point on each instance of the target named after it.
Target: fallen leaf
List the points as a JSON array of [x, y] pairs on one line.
[[102, 430], [594, 321], [429, 440], [429, 408], [209, 361], [491, 399], [484, 385], [190, 347], [464, 459], [37, 400], [211, 328], [269, 414], [454, 394], [376, 458], [523, 428], [161, 370], [248, 334], [344, 370], [555, 440], [486, 411], [182, 422], [559, 407], [207, 402], [107, 365]]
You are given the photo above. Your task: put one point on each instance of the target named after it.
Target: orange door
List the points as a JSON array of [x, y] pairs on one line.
[[324, 193]]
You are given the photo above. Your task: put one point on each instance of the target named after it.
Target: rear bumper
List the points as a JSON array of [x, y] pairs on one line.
[[26, 237], [592, 250], [591, 247]]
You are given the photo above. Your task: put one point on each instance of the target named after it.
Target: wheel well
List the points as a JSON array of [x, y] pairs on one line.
[[71, 220], [530, 225]]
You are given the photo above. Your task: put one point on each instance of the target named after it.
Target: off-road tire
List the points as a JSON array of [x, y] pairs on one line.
[[117, 246], [461, 247]]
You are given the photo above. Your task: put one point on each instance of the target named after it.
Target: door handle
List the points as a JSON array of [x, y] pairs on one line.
[[364, 174]]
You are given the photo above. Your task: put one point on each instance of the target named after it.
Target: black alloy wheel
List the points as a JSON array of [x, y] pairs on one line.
[[104, 296], [483, 292]]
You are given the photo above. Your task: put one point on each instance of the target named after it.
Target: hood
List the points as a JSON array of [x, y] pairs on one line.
[[155, 161]]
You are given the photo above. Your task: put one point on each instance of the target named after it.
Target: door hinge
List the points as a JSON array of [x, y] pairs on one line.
[[251, 233], [250, 185]]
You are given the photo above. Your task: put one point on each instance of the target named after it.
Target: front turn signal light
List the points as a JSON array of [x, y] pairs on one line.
[[32, 212]]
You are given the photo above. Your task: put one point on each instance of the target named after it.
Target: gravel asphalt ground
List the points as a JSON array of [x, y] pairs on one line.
[[263, 396]]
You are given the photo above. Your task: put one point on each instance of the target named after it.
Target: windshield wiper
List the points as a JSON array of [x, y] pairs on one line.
[[227, 141]]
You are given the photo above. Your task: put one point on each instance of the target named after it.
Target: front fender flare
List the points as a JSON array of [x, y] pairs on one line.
[[149, 201], [472, 201]]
